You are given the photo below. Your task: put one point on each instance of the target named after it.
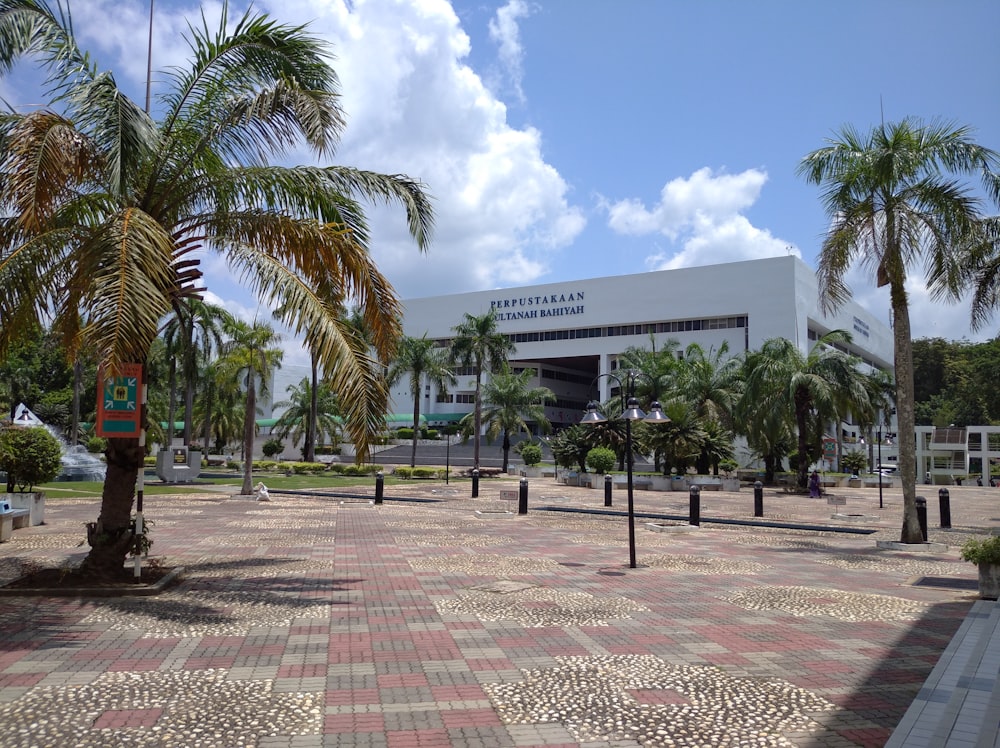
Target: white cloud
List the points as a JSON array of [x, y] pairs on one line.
[[506, 33], [704, 215], [414, 106]]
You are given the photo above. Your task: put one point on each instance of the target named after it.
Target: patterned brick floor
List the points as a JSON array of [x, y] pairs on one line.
[[310, 622]]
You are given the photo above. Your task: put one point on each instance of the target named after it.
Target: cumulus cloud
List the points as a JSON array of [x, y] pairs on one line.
[[414, 106], [702, 216]]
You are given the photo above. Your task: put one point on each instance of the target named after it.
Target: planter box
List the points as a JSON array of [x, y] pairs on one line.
[[34, 502], [855, 483], [730, 484], [534, 471], [989, 581]]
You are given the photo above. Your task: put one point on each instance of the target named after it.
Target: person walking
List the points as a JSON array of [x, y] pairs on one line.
[[814, 485]]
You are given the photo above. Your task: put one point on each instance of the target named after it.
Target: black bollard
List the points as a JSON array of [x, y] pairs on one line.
[[758, 499], [922, 516], [379, 486], [944, 499], [522, 497], [607, 490], [695, 509], [475, 483]]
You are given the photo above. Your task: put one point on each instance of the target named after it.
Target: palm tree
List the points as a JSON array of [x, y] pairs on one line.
[[105, 208], [479, 344], [711, 383], [810, 387], [298, 421], [418, 358], [511, 402], [250, 355], [895, 205]]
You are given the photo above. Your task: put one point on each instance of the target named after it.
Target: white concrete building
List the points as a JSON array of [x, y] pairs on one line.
[[572, 332]]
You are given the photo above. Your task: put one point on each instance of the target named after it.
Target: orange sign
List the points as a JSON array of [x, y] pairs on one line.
[[119, 410]]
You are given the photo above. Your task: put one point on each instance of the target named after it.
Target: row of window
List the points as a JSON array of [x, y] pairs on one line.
[[645, 328]]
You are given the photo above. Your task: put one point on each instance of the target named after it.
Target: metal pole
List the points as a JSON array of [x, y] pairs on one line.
[[944, 499], [522, 497], [475, 483], [379, 486], [922, 516], [631, 507], [758, 499], [607, 490], [447, 455], [694, 509], [879, 435]]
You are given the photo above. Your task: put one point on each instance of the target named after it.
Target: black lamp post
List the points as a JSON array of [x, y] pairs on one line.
[[630, 412]]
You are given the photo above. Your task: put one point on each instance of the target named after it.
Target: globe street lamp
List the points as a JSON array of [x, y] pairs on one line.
[[630, 412]]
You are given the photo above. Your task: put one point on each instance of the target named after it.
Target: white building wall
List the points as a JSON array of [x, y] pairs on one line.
[[778, 297]]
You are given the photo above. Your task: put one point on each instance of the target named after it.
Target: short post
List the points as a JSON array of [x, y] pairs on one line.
[[944, 499], [379, 486], [522, 497], [695, 508], [922, 516], [607, 490], [475, 483], [758, 499]]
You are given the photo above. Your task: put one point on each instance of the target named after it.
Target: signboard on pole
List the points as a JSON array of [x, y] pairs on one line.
[[118, 408]]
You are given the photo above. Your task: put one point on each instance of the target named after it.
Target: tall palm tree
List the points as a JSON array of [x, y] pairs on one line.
[[104, 208], [896, 205], [511, 403], [297, 420], [479, 344], [711, 382], [416, 359], [250, 355], [811, 387]]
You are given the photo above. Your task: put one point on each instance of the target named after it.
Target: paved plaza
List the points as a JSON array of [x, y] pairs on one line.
[[435, 619]]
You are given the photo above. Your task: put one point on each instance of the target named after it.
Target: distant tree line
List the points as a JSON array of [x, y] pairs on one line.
[[956, 382]]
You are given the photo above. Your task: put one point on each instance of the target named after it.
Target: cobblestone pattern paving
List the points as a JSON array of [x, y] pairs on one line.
[[310, 623]]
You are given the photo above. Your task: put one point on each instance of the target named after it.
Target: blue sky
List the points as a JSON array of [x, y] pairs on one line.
[[575, 138]]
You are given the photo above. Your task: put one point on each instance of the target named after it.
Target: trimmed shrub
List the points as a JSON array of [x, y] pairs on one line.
[[328, 449], [531, 454], [29, 456], [273, 447], [404, 433], [601, 460], [97, 444]]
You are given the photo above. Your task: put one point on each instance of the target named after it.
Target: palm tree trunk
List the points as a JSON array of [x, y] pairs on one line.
[[248, 435], [416, 427], [478, 419], [802, 423], [74, 430], [506, 449], [110, 537], [309, 450], [903, 361], [171, 408]]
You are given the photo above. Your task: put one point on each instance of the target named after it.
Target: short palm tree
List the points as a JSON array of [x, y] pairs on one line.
[[810, 387], [511, 404], [896, 205], [250, 356], [479, 344], [297, 419], [417, 359], [104, 209]]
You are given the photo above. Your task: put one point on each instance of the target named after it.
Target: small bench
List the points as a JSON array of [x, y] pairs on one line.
[[12, 520]]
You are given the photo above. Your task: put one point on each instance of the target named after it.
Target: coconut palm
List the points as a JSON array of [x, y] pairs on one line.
[[479, 344], [297, 419], [416, 359], [811, 387], [896, 205], [250, 356], [105, 208], [511, 403]]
